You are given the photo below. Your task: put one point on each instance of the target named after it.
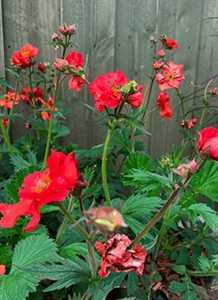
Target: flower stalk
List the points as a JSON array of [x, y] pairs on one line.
[[104, 162]]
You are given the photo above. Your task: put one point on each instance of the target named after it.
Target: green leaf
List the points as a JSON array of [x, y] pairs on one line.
[[204, 263], [33, 250], [66, 274], [205, 181], [146, 180], [29, 253], [111, 282], [177, 287], [208, 214], [73, 250]]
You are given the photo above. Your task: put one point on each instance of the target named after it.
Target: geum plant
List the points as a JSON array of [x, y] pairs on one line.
[[133, 227]]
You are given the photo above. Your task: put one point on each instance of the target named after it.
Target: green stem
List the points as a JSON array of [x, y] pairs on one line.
[[206, 105], [203, 274], [63, 225], [48, 141], [163, 210], [6, 138], [181, 103], [71, 219], [157, 217], [104, 162], [148, 97]]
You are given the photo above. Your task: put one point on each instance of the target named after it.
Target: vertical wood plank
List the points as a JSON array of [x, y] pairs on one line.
[[95, 38], [2, 52], [29, 21]]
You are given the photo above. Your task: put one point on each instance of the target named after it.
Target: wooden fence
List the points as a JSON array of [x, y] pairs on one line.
[[114, 34]]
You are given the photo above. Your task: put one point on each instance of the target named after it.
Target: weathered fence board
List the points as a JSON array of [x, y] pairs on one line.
[[114, 34]]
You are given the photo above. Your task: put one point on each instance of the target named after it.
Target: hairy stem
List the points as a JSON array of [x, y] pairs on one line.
[[206, 105], [47, 147], [104, 163], [6, 138]]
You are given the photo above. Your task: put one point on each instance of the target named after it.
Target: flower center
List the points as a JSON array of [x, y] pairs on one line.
[[171, 76], [42, 183]]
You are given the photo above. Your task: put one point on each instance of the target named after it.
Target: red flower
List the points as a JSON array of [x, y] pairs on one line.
[[41, 188], [163, 102], [169, 43], [9, 100], [170, 77], [161, 53], [23, 58], [158, 64], [208, 142], [117, 257], [75, 60], [46, 116], [137, 97], [5, 122], [72, 65], [189, 123], [106, 89], [75, 83], [2, 269], [31, 96], [42, 67]]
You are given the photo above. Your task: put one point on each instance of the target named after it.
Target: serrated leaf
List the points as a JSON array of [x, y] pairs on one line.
[[73, 250], [205, 181], [177, 287], [208, 214]]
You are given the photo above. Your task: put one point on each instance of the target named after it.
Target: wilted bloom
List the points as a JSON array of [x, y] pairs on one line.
[[23, 58], [170, 77], [118, 256], [5, 122], [40, 188], [105, 218], [67, 29], [55, 37], [169, 43], [189, 123], [2, 269], [213, 91], [183, 170], [9, 100], [163, 102], [157, 64], [60, 64], [113, 88], [161, 53], [207, 142]]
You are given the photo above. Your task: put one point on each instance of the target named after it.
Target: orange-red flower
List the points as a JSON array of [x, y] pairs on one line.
[[23, 58], [40, 188], [163, 102], [208, 142], [118, 256], [171, 76], [169, 43], [9, 100], [2, 269]]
